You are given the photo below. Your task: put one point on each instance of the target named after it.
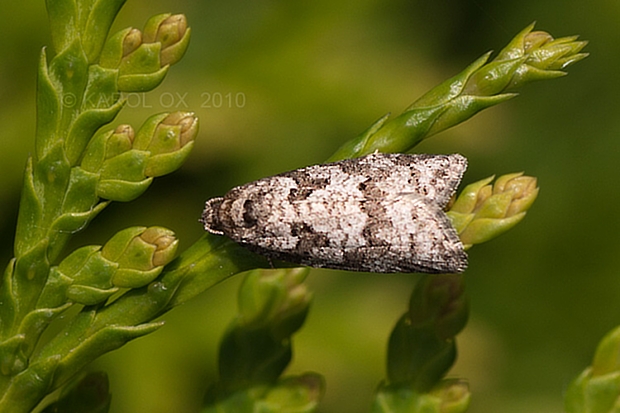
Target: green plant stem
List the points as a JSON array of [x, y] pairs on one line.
[[95, 331]]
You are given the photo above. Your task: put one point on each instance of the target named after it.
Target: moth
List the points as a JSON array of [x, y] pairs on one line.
[[379, 213]]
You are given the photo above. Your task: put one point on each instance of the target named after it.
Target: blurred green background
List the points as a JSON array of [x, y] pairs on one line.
[[280, 84]]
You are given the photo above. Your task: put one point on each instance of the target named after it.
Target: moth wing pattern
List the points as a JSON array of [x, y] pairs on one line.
[[423, 238], [418, 237], [379, 213], [432, 176]]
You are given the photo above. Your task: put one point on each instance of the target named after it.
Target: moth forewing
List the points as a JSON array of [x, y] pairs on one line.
[[378, 213]]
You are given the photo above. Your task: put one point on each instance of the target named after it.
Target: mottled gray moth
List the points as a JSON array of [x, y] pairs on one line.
[[378, 213]]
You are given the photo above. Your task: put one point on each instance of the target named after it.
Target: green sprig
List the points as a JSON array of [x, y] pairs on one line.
[[71, 177], [528, 57]]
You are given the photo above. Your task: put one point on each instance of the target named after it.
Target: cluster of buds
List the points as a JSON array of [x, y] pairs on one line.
[[483, 211], [143, 58], [126, 162], [540, 57], [132, 258]]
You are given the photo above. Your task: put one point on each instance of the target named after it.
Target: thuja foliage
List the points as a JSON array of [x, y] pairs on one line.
[[118, 290]]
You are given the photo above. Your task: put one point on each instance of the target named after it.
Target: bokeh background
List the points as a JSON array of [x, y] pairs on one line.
[[280, 84]]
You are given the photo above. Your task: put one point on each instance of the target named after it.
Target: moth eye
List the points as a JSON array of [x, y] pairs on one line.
[[249, 214]]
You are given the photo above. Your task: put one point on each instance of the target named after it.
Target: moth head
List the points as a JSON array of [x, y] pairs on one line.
[[210, 216]]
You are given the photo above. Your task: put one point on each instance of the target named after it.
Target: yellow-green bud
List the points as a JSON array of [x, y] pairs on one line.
[[120, 168], [165, 244], [171, 30], [130, 259], [535, 40], [143, 58], [119, 46], [140, 253], [544, 56], [172, 33], [168, 138], [482, 212], [120, 141], [141, 70], [131, 42], [126, 162], [547, 53], [105, 146], [183, 125]]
